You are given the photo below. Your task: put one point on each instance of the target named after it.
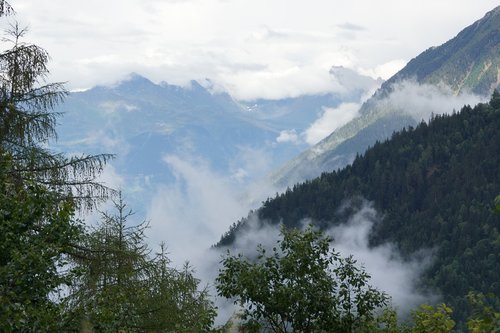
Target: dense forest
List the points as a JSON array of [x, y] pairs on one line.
[[434, 186]]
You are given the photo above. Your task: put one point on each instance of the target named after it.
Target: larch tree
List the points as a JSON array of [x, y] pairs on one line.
[[40, 189]]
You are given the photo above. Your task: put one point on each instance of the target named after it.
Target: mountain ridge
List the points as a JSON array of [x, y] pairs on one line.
[[475, 46]]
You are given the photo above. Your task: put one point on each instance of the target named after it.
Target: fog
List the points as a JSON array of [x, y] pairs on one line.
[[389, 272], [422, 100], [192, 214]]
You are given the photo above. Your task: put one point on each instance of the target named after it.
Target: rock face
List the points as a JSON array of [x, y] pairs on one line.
[[467, 64]]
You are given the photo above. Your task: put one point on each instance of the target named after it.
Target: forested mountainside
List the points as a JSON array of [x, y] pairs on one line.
[[434, 187], [469, 62]]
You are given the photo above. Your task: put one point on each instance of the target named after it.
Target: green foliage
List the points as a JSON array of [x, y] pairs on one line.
[[495, 100], [35, 232], [497, 204], [434, 186], [27, 123], [302, 286], [387, 322], [174, 300], [430, 319], [122, 289], [484, 319], [39, 190]]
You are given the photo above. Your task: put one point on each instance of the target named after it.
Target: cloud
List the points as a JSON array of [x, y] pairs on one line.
[[385, 70], [350, 26], [331, 119], [423, 100], [112, 106], [288, 136], [250, 164], [177, 41], [283, 81], [111, 178], [191, 214], [350, 80], [389, 271]]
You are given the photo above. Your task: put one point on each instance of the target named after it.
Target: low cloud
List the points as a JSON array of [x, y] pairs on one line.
[[250, 164], [423, 100], [193, 212], [385, 70], [113, 106], [331, 119], [390, 273], [288, 136], [351, 80]]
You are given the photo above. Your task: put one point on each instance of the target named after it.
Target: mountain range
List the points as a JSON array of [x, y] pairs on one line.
[[143, 123]]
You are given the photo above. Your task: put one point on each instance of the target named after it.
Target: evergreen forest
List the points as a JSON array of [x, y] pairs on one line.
[[434, 187]]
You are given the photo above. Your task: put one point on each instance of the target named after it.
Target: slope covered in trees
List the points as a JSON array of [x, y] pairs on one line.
[[434, 186], [469, 62]]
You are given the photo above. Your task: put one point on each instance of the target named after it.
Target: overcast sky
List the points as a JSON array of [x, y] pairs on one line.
[[252, 48]]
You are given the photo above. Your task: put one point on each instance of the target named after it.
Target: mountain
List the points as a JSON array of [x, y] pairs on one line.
[[143, 122], [298, 113], [433, 187], [468, 63]]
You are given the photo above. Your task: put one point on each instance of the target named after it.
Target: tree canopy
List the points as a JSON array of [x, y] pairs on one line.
[[302, 286]]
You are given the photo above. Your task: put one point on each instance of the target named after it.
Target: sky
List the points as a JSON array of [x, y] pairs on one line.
[[250, 48]]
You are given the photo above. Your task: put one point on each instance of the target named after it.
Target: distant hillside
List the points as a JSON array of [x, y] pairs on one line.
[[433, 185], [141, 122], [470, 62]]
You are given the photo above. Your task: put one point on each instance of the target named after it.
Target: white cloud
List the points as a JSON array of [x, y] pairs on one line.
[[191, 214], [389, 271], [253, 48], [249, 164], [111, 178], [113, 106], [422, 100], [350, 80], [288, 136], [385, 70], [331, 119]]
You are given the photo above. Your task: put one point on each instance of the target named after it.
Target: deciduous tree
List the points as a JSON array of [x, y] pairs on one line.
[[302, 286]]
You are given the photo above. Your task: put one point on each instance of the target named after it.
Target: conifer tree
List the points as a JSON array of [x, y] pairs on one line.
[[28, 123], [39, 190], [123, 288]]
